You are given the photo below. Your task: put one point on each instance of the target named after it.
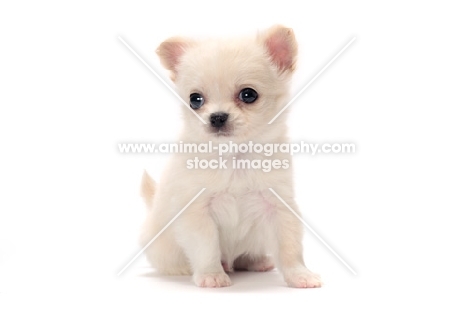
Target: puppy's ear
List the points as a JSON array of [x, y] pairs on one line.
[[171, 51], [281, 46]]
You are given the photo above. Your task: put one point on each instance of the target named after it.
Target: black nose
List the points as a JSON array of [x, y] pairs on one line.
[[218, 119]]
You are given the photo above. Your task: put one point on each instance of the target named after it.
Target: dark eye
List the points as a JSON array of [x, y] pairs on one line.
[[196, 100], [248, 95]]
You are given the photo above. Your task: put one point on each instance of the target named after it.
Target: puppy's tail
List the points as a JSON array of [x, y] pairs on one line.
[[147, 189]]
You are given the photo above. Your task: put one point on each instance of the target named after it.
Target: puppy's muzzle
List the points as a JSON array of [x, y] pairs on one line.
[[218, 119]]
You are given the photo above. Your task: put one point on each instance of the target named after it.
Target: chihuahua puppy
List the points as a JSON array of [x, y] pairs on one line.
[[236, 86]]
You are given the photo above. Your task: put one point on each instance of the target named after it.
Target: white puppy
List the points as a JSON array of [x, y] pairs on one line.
[[237, 86]]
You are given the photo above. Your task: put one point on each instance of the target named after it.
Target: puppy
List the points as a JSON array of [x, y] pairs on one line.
[[236, 86]]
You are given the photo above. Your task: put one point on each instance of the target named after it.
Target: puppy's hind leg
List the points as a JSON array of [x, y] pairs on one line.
[[259, 263], [164, 254], [167, 258]]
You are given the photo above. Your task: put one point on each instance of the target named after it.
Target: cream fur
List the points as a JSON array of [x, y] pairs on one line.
[[237, 223]]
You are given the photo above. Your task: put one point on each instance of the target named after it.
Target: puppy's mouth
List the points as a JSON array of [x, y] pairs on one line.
[[221, 132]]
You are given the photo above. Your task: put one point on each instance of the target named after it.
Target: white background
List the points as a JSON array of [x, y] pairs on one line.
[[395, 211]]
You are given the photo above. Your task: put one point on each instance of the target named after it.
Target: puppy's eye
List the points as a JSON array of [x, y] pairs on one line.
[[248, 95], [196, 100]]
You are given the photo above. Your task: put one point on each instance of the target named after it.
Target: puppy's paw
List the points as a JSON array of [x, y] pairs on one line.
[[220, 279], [302, 278], [258, 264]]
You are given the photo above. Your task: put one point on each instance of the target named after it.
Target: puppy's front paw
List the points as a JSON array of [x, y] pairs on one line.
[[302, 278], [220, 279]]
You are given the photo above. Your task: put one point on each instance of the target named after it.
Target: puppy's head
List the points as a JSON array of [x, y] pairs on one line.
[[237, 85]]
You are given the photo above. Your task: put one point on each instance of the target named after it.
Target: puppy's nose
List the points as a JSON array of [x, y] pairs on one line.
[[218, 119]]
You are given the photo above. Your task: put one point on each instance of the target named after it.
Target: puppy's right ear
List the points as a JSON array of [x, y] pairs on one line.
[[171, 51]]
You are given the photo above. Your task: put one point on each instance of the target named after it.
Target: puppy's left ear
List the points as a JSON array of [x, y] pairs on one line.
[[171, 51], [281, 46]]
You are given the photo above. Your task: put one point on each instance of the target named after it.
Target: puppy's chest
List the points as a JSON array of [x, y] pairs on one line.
[[240, 181], [239, 212]]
